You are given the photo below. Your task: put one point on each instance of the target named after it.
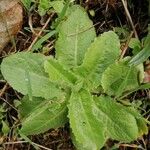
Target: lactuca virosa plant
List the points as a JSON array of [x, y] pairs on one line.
[[84, 84]]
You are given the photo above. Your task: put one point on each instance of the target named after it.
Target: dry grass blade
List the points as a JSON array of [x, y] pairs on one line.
[[20, 142], [39, 34], [129, 17]]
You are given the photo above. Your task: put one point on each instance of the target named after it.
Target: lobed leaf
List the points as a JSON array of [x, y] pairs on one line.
[[38, 116], [25, 73], [104, 51], [75, 35], [118, 78]]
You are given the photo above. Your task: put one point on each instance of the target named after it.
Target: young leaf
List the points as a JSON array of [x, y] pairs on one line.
[[75, 35], [57, 5], [118, 78], [87, 130], [57, 73], [25, 73], [42, 115], [43, 6], [119, 122], [5, 128], [135, 44], [104, 51], [143, 54]]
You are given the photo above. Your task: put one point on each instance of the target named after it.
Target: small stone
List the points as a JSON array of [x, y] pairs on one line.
[[11, 16]]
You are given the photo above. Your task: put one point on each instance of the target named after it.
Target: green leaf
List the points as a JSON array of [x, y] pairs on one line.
[[75, 35], [5, 128], [118, 78], [87, 130], [101, 118], [141, 73], [119, 122], [58, 74], [123, 32], [38, 44], [25, 73], [135, 44], [141, 87], [141, 122], [27, 3], [78, 145], [38, 116], [143, 54], [104, 51], [57, 5], [26, 106], [43, 6]]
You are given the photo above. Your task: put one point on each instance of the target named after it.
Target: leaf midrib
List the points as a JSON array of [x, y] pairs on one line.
[[76, 45], [87, 120], [107, 116]]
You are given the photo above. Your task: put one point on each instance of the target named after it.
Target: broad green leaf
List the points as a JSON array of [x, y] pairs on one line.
[[118, 78], [101, 118], [104, 51], [25, 73], [77, 145], [118, 120], [143, 54], [76, 33], [38, 116], [26, 106], [87, 130], [58, 74]]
